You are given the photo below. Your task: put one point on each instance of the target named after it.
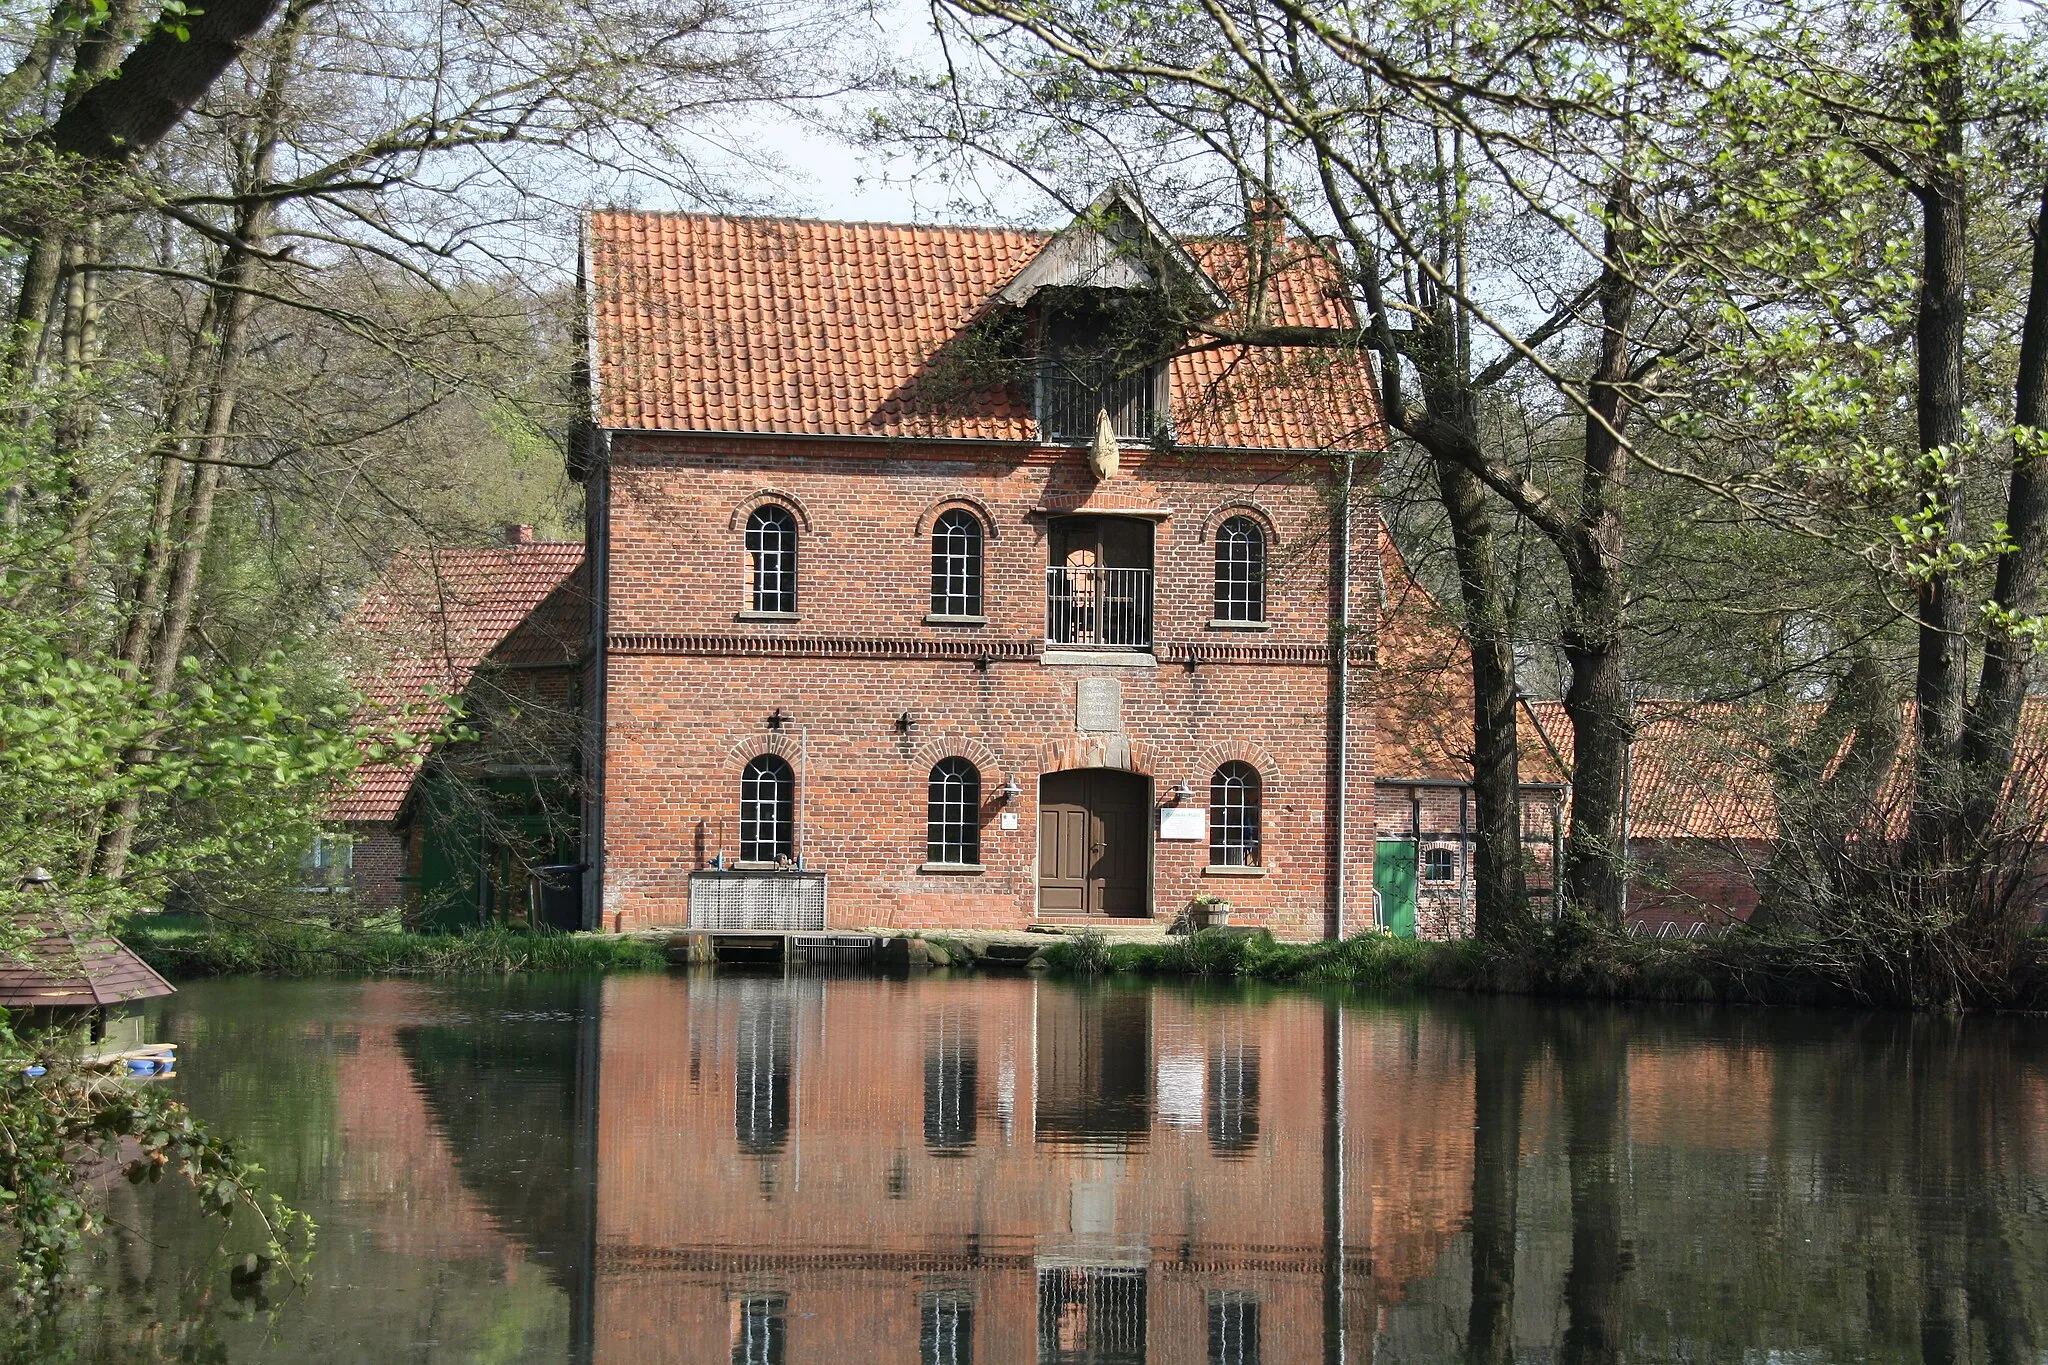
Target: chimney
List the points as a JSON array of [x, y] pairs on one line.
[[1267, 220], [518, 534]]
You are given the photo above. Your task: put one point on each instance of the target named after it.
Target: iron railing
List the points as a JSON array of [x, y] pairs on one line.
[[1070, 402], [1099, 608], [777, 901]]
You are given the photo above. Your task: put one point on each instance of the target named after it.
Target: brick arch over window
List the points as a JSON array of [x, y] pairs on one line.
[[1242, 508], [1225, 751], [966, 501], [761, 497], [942, 745], [1098, 751], [745, 750]]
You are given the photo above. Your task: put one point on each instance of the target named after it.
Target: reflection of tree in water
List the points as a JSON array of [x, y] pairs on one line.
[[1783, 1183], [513, 1087]]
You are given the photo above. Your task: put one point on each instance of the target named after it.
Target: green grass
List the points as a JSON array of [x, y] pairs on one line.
[[185, 948]]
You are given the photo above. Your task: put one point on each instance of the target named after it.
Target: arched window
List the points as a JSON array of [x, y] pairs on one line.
[[1240, 571], [1234, 816], [956, 564], [771, 559], [1439, 865], [953, 808], [767, 811]]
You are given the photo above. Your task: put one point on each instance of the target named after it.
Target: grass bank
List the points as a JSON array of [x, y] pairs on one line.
[[1739, 969], [183, 948]]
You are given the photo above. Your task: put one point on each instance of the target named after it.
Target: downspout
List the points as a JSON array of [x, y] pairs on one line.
[[1628, 774], [1342, 702]]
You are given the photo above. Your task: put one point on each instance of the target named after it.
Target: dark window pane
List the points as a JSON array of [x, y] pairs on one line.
[[952, 1077], [1233, 1108], [771, 559], [956, 565], [1240, 571], [945, 1328], [1233, 1328], [761, 1074], [767, 811], [1234, 816], [1439, 865], [760, 1330], [953, 813]]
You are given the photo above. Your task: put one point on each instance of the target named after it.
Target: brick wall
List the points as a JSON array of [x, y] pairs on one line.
[[380, 860], [689, 686]]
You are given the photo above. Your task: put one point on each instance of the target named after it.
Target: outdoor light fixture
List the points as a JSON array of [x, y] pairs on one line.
[[1183, 792], [776, 720], [1011, 791]]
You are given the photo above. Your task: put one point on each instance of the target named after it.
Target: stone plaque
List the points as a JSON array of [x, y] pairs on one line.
[[1099, 705]]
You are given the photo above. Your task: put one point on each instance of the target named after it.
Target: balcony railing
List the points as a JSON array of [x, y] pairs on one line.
[[1098, 608]]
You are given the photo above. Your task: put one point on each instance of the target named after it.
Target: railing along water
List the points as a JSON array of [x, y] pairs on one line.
[[1101, 608]]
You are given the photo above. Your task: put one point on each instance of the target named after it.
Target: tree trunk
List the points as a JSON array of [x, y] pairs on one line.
[[1991, 728], [1938, 340], [1499, 1068], [1592, 1287], [1501, 890], [1596, 699]]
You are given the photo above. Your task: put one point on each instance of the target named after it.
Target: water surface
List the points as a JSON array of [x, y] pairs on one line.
[[733, 1169]]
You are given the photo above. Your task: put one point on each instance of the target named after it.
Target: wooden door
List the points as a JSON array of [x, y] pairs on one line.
[[1093, 830]]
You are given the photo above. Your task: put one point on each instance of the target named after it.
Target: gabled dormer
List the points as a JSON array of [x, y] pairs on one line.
[[1105, 302]]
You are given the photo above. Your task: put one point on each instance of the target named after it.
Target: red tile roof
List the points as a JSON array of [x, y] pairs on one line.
[[798, 327], [75, 966], [421, 633]]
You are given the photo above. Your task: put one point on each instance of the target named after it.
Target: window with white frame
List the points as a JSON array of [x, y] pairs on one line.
[[771, 559], [956, 564], [767, 811], [953, 813], [1240, 571], [1234, 816]]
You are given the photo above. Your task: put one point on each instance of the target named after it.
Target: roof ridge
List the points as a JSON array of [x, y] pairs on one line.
[[810, 220]]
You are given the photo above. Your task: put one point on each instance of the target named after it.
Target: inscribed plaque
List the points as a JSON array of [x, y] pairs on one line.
[[1183, 822], [1099, 705]]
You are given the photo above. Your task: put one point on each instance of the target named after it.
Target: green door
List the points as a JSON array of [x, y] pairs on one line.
[[1393, 876]]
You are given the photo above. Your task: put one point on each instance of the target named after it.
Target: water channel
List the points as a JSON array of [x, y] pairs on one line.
[[849, 1169]]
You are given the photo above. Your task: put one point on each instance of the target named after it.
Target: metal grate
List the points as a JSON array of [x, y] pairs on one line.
[[1106, 608], [783, 902]]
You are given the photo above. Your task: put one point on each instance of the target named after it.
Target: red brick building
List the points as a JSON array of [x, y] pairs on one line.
[[926, 589], [456, 833]]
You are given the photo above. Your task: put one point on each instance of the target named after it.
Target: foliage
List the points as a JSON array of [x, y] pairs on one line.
[[190, 946], [66, 1128]]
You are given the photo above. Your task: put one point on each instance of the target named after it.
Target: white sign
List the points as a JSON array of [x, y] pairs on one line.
[[1183, 822], [1009, 819]]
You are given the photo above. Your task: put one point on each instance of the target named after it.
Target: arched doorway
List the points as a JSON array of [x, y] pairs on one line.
[[1093, 835]]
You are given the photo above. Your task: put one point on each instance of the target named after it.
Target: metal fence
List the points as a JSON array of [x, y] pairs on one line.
[[1102, 608], [784, 902]]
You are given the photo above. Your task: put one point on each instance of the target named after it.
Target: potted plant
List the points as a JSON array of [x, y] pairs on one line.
[[1210, 911]]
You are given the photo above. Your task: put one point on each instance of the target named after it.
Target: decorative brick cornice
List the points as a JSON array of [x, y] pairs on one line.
[[964, 650]]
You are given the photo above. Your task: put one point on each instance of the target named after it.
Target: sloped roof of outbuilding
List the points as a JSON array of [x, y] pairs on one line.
[[421, 633], [797, 327], [74, 966]]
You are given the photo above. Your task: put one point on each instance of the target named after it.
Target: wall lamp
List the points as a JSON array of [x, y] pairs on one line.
[[1183, 792], [1011, 791]]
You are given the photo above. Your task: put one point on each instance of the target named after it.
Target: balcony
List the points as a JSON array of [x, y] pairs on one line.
[[1097, 608]]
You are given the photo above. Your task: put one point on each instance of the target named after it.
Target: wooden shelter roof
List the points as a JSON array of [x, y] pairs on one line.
[[69, 966]]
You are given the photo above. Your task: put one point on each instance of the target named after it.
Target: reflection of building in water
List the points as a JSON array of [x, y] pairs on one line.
[[761, 1069], [1119, 1182], [952, 1073]]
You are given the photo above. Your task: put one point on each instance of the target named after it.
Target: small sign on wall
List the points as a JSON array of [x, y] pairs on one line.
[[1183, 822], [1009, 819]]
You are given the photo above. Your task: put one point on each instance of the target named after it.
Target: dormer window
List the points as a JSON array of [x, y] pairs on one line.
[[1094, 357]]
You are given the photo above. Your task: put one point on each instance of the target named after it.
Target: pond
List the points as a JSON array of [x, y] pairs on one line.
[[845, 1169]]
